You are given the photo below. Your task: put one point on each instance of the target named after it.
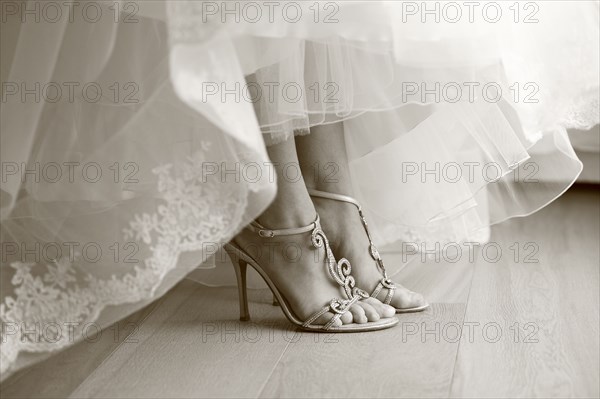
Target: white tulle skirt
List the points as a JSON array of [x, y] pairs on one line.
[[125, 137]]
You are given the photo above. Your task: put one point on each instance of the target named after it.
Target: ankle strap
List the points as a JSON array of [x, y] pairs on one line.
[[269, 233], [335, 197]]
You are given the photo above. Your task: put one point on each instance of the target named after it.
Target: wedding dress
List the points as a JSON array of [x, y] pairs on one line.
[[132, 134]]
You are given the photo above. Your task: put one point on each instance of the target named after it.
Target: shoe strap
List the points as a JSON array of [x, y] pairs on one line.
[[269, 233], [332, 196], [337, 306], [385, 283], [345, 198]]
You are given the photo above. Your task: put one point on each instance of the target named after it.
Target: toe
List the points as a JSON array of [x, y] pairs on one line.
[[358, 314], [406, 299], [418, 299], [370, 311], [383, 309], [346, 318]]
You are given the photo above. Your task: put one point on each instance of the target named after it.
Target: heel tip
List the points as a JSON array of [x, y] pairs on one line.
[[245, 318]]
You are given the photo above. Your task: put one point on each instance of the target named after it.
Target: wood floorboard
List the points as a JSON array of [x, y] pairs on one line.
[[546, 312], [195, 348], [414, 359], [59, 375]]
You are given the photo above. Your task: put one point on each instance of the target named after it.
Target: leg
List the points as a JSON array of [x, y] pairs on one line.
[[324, 150], [291, 190]]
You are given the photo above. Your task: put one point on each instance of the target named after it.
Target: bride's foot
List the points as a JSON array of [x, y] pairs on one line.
[[297, 268], [299, 271], [349, 239], [324, 150]]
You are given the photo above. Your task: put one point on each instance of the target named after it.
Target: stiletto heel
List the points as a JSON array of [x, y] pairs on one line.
[[240, 274], [386, 282], [338, 271]]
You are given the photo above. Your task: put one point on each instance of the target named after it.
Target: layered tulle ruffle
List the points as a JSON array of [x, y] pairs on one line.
[[451, 126]]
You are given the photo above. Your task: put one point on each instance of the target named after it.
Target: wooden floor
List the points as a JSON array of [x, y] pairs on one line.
[[521, 324]]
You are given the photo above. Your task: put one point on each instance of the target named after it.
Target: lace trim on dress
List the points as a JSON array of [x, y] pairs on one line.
[[66, 297]]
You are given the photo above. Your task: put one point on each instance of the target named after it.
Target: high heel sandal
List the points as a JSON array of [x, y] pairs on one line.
[[339, 271], [385, 282]]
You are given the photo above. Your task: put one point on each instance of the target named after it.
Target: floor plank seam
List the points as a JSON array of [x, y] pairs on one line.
[[461, 333], [263, 386]]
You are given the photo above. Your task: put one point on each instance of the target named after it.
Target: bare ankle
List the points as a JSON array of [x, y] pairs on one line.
[[289, 210]]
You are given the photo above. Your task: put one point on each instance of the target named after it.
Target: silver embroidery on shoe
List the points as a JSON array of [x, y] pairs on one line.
[[341, 270]]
